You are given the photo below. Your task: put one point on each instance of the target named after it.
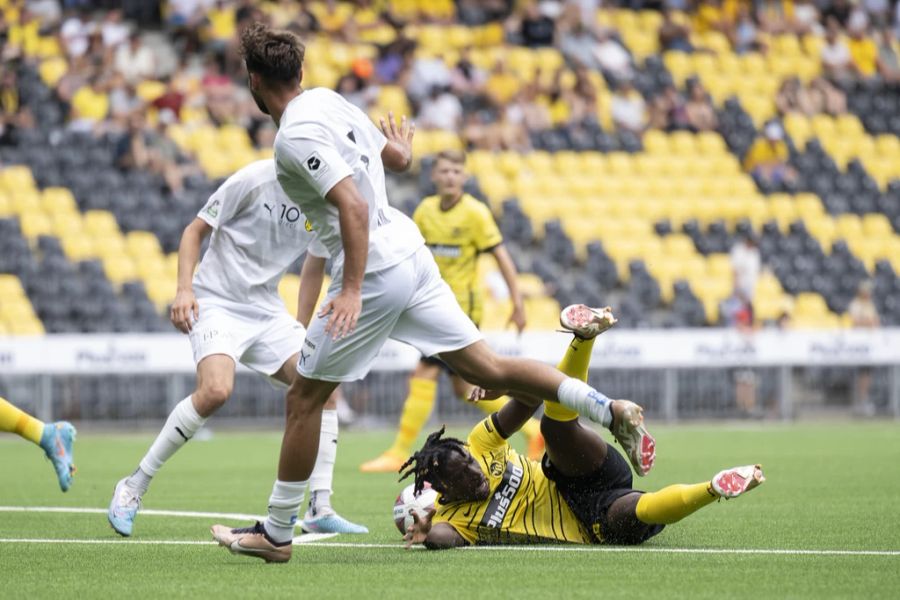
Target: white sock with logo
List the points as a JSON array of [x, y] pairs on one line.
[[284, 504], [585, 400], [323, 471], [182, 424]]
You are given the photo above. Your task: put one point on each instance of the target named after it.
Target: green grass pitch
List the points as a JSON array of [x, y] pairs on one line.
[[830, 487]]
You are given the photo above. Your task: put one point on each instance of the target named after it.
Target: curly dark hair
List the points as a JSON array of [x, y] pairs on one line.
[[274, 54], [431, 459]]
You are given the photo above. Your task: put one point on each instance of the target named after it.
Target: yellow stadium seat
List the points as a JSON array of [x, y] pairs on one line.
[[810, 304], [58, 199], [109, 245], [23, 327], [78, 247], [119, 268], [151, 267], [11, 288], [849, 226], [100, 222], [35, 224], [142, 244], [876, 225], [160, 290], [679, 245], [17, 177], [719, 265]]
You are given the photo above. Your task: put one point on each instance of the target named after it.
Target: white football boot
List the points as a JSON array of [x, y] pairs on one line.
[[733, 482], [586, 322]]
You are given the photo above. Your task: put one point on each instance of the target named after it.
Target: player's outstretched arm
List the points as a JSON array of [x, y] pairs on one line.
[[510, 276], [311, 276], [439, 536], [185, 308], [353, 211], [397, 153]]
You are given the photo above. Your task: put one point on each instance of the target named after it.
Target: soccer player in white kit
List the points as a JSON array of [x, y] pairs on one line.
[[233, 313], [330, 160]]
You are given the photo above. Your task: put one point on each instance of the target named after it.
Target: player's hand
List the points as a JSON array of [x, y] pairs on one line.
[[401, 136], [479, 393], [185, 311], [418, 531], [343, 311], [517, 318]]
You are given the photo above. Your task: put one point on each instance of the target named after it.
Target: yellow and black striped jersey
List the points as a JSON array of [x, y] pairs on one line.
[[456, 236], [524, 505]]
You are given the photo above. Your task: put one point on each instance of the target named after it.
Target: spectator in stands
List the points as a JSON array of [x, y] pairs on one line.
[[526, 111], [737, 311], [440, 110], [701, 116], [479, 12], [611, 56], [135, 60], [862, 48], [501, 84], [767, 158], [673, 35], [806, 18], [774, 16], [75, 34], [90, 106], [582, 98], [148, 148], [122, 100], [354, 86], [12, 114], [827, 98], [888, 59], [744, 33], [113, 31], [629, 111], [395, 61], [577, 42], [426, 74], [863, 315], [839, 11], [793, 97], [531, 27], [467, 80], [837, 63], [668, 110]]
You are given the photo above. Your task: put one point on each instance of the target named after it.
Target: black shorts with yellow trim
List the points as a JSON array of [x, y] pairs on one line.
[[590, 497]]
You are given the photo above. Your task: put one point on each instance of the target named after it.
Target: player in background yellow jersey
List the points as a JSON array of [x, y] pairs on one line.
[[580, 492], [457, 228], [55, 439]]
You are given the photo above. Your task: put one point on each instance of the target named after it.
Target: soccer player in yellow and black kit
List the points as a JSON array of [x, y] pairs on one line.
[[581, 492], [457, 228]]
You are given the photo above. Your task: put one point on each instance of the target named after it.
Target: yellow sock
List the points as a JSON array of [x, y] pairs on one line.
[[673, 503], [17, 421], [416, 411], [531, 428], [489, 407], [574, 363]]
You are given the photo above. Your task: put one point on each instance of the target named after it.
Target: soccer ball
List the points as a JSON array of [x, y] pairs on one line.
[[407, 504]]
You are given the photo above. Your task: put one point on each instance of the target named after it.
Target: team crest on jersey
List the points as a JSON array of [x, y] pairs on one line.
[[213, 208], [496, 469], [308, 225]]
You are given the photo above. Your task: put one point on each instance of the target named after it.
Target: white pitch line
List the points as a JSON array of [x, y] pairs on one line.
[[148, 512], [315, 540], [398, 546]]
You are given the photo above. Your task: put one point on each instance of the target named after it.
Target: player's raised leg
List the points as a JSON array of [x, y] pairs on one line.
[[215, 380], [529, 379], [55, 439]]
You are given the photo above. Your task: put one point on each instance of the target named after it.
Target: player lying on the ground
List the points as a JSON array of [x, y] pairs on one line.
[[233, 313], [55, 439], [580, 492], [457, 228]]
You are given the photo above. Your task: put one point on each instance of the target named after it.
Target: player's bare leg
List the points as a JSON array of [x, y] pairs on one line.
[[215, 380]]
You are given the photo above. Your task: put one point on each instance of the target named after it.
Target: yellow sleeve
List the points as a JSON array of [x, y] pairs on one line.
[[488, 233], [419, 215], [484, 438], [443, 515]]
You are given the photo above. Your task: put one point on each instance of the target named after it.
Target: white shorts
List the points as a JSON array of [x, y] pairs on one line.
[[260, 340], [408, 302]]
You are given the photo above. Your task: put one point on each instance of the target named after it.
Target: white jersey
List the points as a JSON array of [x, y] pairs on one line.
[[323, 139], [258, 234]]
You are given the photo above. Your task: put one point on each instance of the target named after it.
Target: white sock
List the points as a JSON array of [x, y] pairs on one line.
[[284, 504], [182, 424], [323, 471], [585, 400]]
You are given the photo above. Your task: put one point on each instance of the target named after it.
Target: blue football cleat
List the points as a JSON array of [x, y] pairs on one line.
[[57, 441], [123, 507], [330, 522]]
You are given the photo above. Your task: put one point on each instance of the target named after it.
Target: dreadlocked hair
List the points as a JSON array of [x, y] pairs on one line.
[[276, 55], [428, 461]]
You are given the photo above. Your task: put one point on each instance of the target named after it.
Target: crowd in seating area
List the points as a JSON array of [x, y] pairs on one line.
[[627, 147]]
